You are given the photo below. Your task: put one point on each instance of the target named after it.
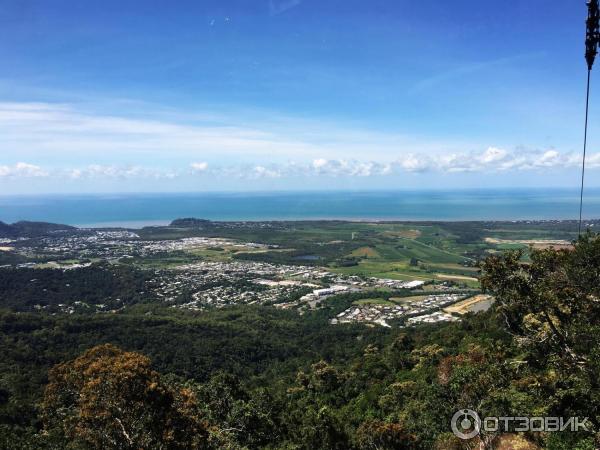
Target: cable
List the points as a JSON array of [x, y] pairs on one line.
[[587, 102]]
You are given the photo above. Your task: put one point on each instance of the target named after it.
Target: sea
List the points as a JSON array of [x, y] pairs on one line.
[[138, 210]]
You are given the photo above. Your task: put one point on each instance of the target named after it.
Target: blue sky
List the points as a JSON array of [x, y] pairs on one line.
[[118, 96]]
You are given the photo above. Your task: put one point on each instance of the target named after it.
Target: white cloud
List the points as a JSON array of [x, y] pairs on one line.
[[341, 167], [64, 130], [494, 159], [592, 161], [493, 154], [97, 171], [490, 160], [199, 166], [549, 158], [22, 170], [75, 174], [319, 163], [263, 172], [456, 163], [412, 163]]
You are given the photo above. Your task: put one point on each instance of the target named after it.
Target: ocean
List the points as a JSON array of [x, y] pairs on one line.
[[137, 210]]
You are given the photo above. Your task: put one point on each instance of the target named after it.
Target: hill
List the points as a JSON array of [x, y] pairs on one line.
[[26, 228]]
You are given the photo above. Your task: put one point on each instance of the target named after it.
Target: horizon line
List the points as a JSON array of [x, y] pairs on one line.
[[300, 191]]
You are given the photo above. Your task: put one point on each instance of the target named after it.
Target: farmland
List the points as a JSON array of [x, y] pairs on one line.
[[438, 252], [430, 251]]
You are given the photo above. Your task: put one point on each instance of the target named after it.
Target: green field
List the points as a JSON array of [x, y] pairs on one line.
[[442, 252], [432, 251], [412, 298], [373, 301]]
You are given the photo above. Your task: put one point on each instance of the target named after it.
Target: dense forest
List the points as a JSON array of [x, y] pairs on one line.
[[26, 289], [152, 377]]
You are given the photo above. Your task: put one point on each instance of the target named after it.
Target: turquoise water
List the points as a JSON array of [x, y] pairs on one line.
[[155, 209]]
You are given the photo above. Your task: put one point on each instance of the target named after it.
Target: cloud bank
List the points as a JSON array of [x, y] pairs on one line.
[[202, 146], [491, 160]]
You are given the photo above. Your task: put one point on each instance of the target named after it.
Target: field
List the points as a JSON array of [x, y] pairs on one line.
[[535, 243], [471, 304], [412, 298], [435, 252], [439, 252], [373, 301]]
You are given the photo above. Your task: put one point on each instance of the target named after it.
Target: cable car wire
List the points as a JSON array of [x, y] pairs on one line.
[[587, 102], [592, 40]]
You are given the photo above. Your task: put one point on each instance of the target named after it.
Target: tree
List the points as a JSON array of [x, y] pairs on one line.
[[553, 302], [111, 399], [551, 306], [379, 435], [246, 418]]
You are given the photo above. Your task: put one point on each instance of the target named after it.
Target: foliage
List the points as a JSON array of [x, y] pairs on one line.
[[111, 399], [112, 286], [257, 377], [32, 229]]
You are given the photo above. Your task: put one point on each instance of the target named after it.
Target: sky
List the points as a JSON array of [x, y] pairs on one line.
[[224, 95]]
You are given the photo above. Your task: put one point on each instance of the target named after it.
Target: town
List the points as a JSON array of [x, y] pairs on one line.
[[199, 273], [427, 310]]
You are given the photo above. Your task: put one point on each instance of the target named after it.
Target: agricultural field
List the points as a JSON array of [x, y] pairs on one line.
[[435, 252], [429, 251], [471, 304]]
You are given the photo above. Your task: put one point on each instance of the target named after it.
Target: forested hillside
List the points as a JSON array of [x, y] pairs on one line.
[[256, 377], [25, 228]]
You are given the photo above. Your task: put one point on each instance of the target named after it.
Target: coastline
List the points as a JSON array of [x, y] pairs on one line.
[[138, 210]]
